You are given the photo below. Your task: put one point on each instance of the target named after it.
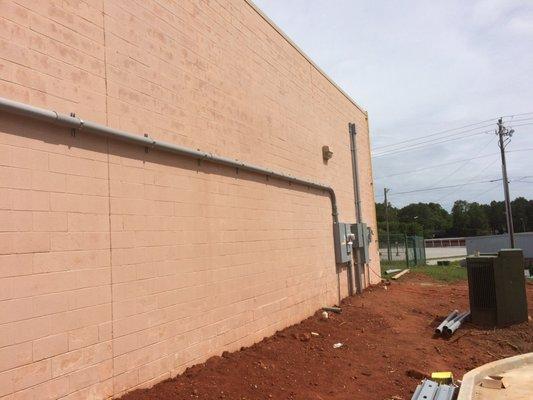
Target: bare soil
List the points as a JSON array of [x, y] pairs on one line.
[[388, 343]]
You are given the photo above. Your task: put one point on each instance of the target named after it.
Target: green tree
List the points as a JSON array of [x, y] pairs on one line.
[[393, 219], [469, 219], [466, 219], [432, 219], [521, 211]]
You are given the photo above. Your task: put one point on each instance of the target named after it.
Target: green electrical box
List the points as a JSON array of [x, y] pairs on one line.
[[497, 288]]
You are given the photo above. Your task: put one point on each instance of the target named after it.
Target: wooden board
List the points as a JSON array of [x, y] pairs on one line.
[[399, 274]]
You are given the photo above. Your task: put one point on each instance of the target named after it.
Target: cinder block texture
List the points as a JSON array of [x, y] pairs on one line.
[[120, 267]]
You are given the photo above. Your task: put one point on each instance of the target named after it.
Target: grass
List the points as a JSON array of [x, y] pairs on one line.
[[392, 264], [449, 273]]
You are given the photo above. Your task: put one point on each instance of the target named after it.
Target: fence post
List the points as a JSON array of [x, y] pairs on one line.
[[415, 250], [424, 250], [406, 250]]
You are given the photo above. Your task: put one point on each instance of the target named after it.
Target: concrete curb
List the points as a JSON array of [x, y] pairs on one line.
[[472, 378]]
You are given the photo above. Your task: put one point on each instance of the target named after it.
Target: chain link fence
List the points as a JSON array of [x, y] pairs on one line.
[[402, 249]]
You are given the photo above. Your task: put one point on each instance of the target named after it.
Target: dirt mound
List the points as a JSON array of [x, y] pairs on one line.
[[386, 334]]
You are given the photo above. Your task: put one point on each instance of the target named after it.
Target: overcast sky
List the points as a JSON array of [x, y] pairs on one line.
[[421, 67]]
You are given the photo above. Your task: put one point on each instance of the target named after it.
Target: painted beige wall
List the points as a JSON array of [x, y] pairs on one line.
[[119, 268]]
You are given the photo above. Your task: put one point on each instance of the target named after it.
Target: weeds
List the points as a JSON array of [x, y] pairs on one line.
[[446, 273]]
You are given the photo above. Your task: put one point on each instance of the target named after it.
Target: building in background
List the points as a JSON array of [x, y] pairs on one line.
[[494, 243], [120, 265]]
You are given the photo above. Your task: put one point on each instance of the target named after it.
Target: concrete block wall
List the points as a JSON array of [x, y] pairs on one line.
[[120, 267]]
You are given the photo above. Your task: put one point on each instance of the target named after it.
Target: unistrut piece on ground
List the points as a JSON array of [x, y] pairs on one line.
[[430, 390]]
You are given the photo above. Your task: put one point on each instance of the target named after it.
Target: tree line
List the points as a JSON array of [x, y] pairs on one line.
[[431, 220]]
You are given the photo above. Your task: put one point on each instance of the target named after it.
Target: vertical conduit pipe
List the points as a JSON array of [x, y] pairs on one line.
[[358, 213]]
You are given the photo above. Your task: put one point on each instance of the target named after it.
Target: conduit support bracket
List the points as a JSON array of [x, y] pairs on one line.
[[73, 122], [73, 130]]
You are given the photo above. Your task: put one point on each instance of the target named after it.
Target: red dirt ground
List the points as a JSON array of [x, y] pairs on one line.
[[385, 332]]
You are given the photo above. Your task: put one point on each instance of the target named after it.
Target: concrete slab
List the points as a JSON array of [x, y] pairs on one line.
[[518, 373], [519, 386]]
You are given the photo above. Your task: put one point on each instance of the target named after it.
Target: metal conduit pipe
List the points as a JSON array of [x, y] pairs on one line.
[[449, 318], [452, 326], [359, 215], [67, 121]]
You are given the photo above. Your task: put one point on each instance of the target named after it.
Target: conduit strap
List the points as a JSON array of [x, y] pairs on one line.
[[74, 122]]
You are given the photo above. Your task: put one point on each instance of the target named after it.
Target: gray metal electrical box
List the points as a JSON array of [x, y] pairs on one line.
[[343, 242], [362, 240]]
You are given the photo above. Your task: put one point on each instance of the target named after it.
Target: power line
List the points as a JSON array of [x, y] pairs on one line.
[[517, 115], [462, 165], [504, 137], [442, 187], [405, 146], [439, 138], [511, 121], [435, 134], [471, 179], [436, 142], [515, 126], [451, 130], [477, 196], [433, 166], [447, 163], [431, 143], [486, 191]]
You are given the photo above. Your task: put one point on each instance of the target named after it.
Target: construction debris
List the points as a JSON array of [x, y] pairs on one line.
[[452, 315], [399, 274], [450, 328], [451, 323], [431, 390], [444, 377], [337, 345], [336, 310], [493, 382], [392, 271], [325, 315]]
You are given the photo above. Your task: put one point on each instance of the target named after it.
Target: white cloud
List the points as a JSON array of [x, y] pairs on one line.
[[420, 67]]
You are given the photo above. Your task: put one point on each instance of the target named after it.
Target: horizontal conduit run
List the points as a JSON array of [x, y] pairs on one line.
[[67, 121]]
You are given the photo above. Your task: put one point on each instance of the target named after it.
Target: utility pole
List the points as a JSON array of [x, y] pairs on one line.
[[389, 256], [504, 132]]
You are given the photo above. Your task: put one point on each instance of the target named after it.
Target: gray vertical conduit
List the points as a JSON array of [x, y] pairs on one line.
[[357, 198]]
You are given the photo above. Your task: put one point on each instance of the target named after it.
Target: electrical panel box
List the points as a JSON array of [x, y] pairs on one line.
[[359, 231], [497, 288], [363, 236], [343, 242]]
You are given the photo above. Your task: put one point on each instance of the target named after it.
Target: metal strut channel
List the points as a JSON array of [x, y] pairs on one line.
[[73, 122], [429, 390]]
